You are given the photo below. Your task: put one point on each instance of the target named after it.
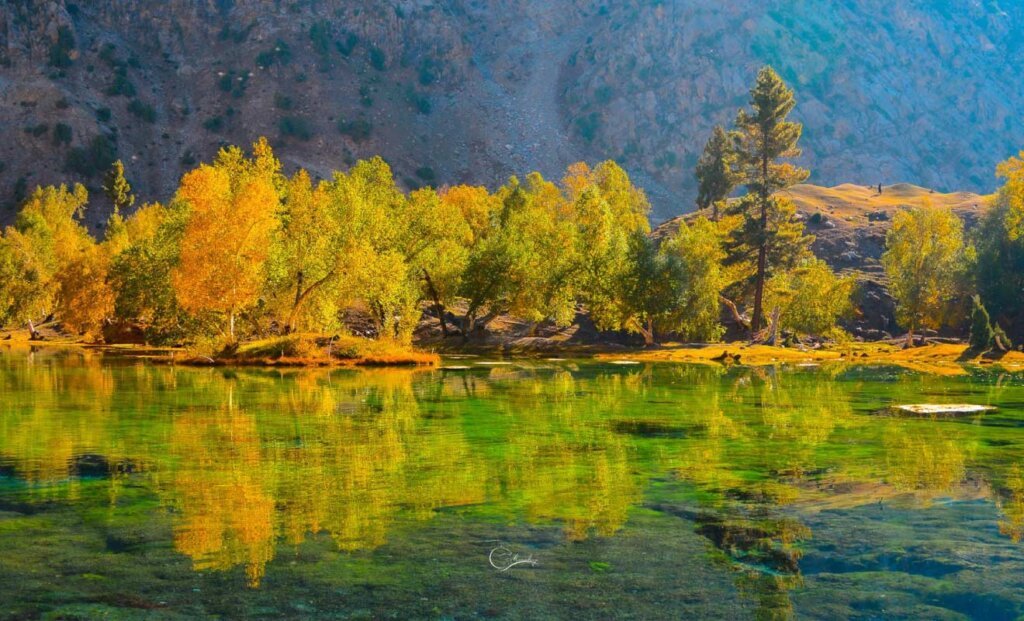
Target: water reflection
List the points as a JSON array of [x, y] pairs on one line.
[[247, 462]]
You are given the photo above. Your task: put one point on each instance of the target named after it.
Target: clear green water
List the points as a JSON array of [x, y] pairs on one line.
[[133, 490]]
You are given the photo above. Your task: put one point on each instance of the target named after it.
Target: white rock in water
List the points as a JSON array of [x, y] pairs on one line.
[[624, 362], [494, 363], [942, 409], [455, 367]]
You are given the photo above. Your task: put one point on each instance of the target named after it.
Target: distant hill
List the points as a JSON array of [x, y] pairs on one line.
[[473, 91]]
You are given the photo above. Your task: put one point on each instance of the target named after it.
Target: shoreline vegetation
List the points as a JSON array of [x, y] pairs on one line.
[[309, 350], [246, 265]]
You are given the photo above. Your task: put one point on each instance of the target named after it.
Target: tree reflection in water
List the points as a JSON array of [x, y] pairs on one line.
[[246, 461]]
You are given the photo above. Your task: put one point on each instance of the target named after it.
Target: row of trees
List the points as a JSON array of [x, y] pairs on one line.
[[242, 248], [939, 275], [932, 267]]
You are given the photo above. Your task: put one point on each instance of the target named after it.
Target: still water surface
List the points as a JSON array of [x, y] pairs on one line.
[[135, 490]]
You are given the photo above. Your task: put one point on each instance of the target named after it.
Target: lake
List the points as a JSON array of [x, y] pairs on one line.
[[513, 490]]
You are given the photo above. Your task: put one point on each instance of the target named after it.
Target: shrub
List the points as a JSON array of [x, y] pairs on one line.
[[281, 54], [429, 69], [92, 159], [20, 190], [419, 101], [981, 326], [320, 37], [60, 51], [426, 173], [142, 110], [377, 58], [214, 124], [358, 130], [283, 102], [265, 59], [587, 126], [37, 130], [347, 44], [108, 54], [121, 85], [103, 114], [62, 134], [296, 127]]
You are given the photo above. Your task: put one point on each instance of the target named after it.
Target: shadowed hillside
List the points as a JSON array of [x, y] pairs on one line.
[[458, 91]]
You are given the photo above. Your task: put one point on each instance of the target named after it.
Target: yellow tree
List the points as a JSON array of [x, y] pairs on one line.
[[86, 299], [1012, 195], [924, 260], [50, 264], [811, 298], [609, 213], [228, 236], [308, 254], [438, 245]]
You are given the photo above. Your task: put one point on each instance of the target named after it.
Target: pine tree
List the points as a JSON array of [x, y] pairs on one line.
[[981, 326], [716, 172], [763, 139], [117, 188]]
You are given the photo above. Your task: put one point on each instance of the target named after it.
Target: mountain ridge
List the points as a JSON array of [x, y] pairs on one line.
[[456, 91]]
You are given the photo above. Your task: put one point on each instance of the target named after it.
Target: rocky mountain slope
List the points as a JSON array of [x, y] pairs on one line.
[[472, 91]]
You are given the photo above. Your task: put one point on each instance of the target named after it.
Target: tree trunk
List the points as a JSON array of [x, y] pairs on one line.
[[438, 306], [910, 338], [290, 324], [646, 330], [300, 298], [762, 265], [33, 335], [734, 311], [773, 332], [231, 324]]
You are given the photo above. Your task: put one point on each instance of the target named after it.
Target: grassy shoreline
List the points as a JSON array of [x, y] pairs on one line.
[[943, 359], [310, 350]]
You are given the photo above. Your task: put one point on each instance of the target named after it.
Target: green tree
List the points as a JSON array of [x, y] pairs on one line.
[[780, 237], [525, 263], [141, 274], [925, 262], [695, 309], [43, 243], [982, 334], [717, 176], [650, 288], [609, 211], [763, 140], [470, 210], [117, 188], [308, 256], [999, 272], [811, 298]]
